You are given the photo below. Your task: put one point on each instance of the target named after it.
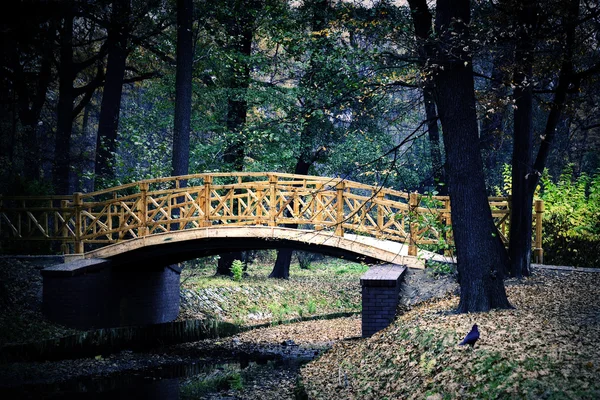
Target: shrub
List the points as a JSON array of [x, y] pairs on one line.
[[305, 259], [237, 270], [572, 219]]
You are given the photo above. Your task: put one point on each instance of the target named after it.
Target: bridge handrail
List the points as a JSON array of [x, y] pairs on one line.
[[260, 198]]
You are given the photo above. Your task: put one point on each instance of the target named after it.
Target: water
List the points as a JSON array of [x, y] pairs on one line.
[[196, 380]]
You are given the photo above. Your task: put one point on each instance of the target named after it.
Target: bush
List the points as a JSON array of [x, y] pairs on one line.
[[572, 219], [237, 270], [305, 259]]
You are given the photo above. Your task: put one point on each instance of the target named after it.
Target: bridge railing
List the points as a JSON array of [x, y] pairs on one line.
[[272, 199]]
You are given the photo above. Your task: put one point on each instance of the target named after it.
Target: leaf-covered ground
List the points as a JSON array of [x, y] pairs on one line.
[[21, 317], [547, 347]]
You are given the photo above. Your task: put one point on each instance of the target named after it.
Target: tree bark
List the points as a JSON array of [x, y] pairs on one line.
[[281, 269], [241, 32], [522, 177], [183, 89], [64, 124], [525, 182], [481, 257], [319, 10], [491, 138], [423, 25], [437, 166], [180, 161], [108, 124]]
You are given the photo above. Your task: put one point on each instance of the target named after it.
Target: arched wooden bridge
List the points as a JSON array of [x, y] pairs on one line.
[[229, 208]]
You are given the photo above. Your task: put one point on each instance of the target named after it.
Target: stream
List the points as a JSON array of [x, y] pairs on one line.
[[263, 372]]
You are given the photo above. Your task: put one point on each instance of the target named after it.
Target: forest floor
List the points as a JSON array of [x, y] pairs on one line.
[[544, 348]]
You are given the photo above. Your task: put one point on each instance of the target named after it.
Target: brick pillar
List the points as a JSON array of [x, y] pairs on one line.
[[98, 294], [380, 291]]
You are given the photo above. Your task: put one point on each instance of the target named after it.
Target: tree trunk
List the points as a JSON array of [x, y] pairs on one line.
[[319, 9], [491, 138], [64, 124], [241, 33], [524, 184], [521, 203], [481, 257], [422, 23], [183, 97], [183, 89], [108, 123], [437, 166], [281, 269]]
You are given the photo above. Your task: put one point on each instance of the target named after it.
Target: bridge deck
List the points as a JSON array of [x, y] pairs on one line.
[[236, 237]]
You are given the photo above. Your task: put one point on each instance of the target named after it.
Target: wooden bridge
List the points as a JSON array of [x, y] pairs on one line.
[[223, 209]]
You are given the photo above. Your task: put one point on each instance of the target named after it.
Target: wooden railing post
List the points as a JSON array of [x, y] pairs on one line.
[[143, 209], [339, 212], [64, 204], [78, 202], [413, 204], [539, 214], [380, 212], [296, 205], [272, 200], [318, 210], [206, 201], [448, 222]]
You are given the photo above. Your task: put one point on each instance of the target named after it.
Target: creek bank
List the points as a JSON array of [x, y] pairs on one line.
[[267, 363], [237, 377], [291, 344]]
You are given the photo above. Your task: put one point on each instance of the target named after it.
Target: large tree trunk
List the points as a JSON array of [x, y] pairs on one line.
[[183, 89], [180, 161], [423, 25], [525, 181], [520, 217], [110, 108], [481, 257], [281, 269], [64, 125], [319, 10], [241, 32]]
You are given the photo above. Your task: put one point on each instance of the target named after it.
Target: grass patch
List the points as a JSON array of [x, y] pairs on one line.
[[329, 286], [216, 382]]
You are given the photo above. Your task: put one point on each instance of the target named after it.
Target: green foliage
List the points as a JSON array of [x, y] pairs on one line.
[[305, 259], [437, 268], [193, 388], [572, 219], [312, 306], [431, 222], [237, 270], [351, 269], [280, 311]]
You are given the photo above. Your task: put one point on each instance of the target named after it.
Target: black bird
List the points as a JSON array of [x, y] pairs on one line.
[[471, 337]]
